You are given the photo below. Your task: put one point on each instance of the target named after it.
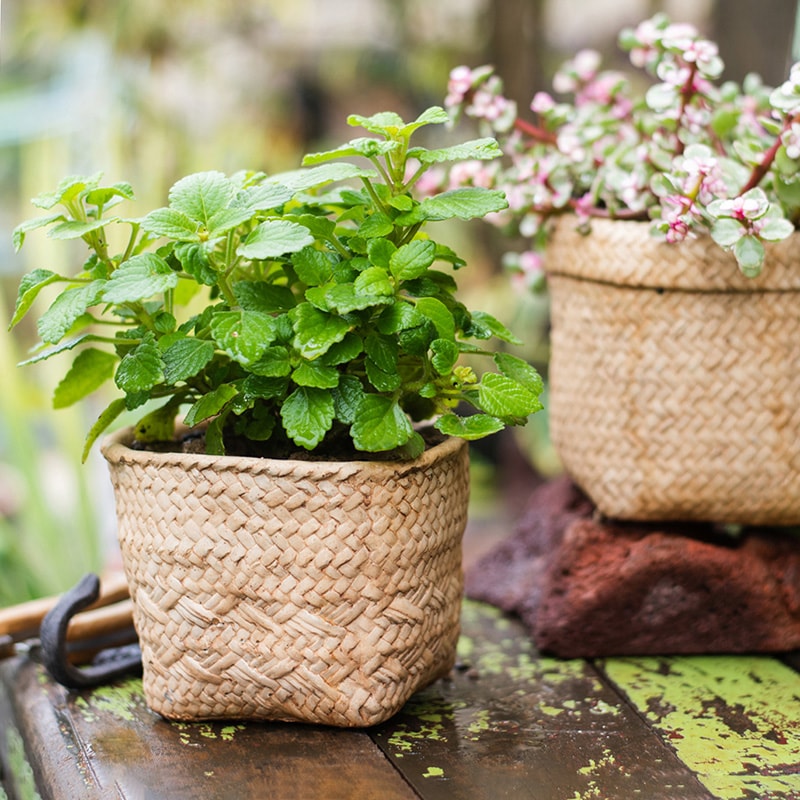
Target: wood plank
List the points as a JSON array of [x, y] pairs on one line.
[[513, 724], [106, 743], [735, 720]]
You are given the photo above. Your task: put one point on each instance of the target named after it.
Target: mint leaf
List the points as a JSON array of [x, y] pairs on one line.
[[316, 331], [226, 219], [484, 326], [66, 309], [70, 344], [139, 278], [384, 123], [347, 350], [274, 363], [243, 335], [140, 369], [400, 316], [264, 197], [438, 313], [366, 147], [186, 358], [470, 428], [465, 203], [104, 195], [445, 355], [69, 188], [382, 380], [319, 376], [380, 424], [343, 298], [90, 370], [301, 180], [172, 224], [114, 409], [346, 397], [202, 195], [380, 252], [18, 237], [374, 282], [195, 262], [383, 351], [29, 287], [521, 371], [75, 229], [375, 225], [210, 404], [158, 425], [478, 149], [413, 259], [501, 396], [274, 238], [312, 266], [307, 415], [265, 297]]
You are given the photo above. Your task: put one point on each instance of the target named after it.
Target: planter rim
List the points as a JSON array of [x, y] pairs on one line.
[[117, 451], [623, 252]]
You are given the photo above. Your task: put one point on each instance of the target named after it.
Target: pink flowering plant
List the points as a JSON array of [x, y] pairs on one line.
[[692, 155]]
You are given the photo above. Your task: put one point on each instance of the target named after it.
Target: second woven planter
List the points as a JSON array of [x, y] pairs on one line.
[[674, 379], [324, 592]]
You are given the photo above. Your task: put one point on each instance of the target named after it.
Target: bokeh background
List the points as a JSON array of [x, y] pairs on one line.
[[147, 91]]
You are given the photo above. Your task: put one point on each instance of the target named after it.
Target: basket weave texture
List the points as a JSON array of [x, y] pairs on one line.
[[675, 380], [291, 590]]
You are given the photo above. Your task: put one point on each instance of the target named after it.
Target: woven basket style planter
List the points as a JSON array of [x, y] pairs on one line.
[[675, 380], [291, 590]]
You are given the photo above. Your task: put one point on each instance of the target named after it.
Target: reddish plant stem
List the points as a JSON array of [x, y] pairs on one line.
[[534, 131], [759, 171]]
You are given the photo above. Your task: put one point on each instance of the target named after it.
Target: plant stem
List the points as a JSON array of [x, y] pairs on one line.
[[760, 171]]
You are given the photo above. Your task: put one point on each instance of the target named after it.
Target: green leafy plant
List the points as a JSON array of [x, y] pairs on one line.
[[300, 309]]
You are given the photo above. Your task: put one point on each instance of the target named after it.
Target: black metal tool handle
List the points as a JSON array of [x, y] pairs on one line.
[[54, 648]]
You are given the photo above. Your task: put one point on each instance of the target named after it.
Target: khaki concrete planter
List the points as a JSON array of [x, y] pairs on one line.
[[291, 590]]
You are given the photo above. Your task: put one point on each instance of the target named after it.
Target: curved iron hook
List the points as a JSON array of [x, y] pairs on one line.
[[53, 637]]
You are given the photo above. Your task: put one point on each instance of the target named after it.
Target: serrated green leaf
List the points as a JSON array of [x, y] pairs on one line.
[[302, 180], [274, 363], [264, 197], [195, 262], [435, 115], [68, 189], [384, 123], [521, 371], [210, 404], [347, 350], [374, 282], [186, 358], [90, 370], [274, 238], [316, 331], [366, 147], [75, 229], [312, 266], [485, 326], [158, 425], [307, 415], [320, 227], [243, 335], [226, 219], [103, 196], [18, 237], [478, 149], [402, 202], [315, 374], [346, 397], [114, 409], [380, 252], [268, 298], [413, 259], [383, 351], [140, 369], [202, 195], [139, 278], [382, 380], [71, 344], [172, 224], [375, 226], [380, 424], [438, 313], [466, 203], [503, 397], [470, 428], [66, 309], [29, 287], [343, 298], [400, 316], [445, 355]]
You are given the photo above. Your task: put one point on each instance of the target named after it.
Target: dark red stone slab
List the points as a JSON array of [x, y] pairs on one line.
[[588, 588]]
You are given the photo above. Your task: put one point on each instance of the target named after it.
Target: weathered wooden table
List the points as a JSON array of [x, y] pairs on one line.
[[508, 724]]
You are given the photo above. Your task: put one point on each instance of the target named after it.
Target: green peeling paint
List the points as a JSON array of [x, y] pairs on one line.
[[734, 720], [21, 777], [194, 733], [122, 700], [433, 772]]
